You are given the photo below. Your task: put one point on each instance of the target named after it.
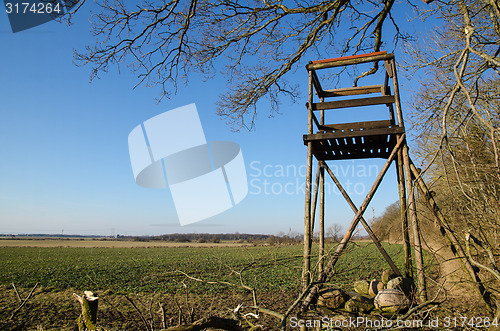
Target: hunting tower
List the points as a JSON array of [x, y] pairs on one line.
[[327, 142]]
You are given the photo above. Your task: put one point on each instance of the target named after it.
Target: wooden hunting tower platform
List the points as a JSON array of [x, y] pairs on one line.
[[357, 140]]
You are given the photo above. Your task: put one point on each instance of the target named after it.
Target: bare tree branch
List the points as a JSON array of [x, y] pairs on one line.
[[252, 43]]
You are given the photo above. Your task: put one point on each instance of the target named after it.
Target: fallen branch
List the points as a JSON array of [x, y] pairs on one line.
[[254, 297], [268, 312], [24, 301], [140, 314], [248, 288], [163, 316], [17, 293]]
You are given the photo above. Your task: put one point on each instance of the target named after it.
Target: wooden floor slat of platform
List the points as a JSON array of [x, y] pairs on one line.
[[354, 133], [343, 145]]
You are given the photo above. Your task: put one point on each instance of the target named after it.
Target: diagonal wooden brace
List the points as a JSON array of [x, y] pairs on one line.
[[315, 199], [365, 224]]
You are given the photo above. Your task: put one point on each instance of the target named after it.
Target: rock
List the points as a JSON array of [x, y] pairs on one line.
[[393, 283], [355, 295], [391, 301], [332, 298], [359, 304], [362, 287], [403, 284], [375, 286], [387, 275]]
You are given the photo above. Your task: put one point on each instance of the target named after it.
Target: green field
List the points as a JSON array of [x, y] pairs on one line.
[[156, 269], [273, 271]]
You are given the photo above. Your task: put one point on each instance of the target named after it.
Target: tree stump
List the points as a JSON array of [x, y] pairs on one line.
[[89, 305]]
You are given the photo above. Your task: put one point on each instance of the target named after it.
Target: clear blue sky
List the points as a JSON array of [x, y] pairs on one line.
[[64, 157]]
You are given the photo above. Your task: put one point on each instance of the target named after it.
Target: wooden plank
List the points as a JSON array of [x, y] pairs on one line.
[[364, 151], [347, 150], [357, 56], [353, 103], [357, 90], [358, 125], [321, 146], [349, 134], [337, 155], [352, 157], [339, 62]]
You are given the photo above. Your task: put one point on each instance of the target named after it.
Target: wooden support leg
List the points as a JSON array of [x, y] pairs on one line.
[[365, 224], [419, 262], [329, 267], [404, 219], [452, 240], [307, 215], [321, 252], [307, 222]]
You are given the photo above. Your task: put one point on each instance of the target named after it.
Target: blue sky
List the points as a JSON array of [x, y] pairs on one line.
[[65, 166]]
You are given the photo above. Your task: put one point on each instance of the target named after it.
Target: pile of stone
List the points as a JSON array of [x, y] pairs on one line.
[[390, 295]]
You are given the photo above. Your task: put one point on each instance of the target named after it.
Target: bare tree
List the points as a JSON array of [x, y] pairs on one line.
[[458, 119], [333, 232], [253, 43], [457, 111]]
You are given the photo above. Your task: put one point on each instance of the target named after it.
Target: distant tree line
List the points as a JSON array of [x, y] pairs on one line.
[[219, 237]]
